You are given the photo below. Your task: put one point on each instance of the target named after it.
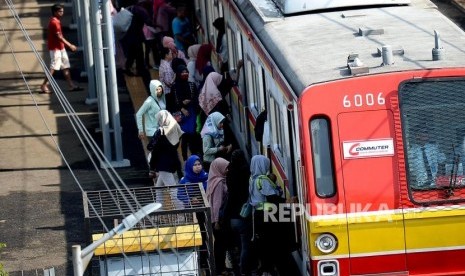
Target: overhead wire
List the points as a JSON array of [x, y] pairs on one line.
[[82, 133], [70, 113]]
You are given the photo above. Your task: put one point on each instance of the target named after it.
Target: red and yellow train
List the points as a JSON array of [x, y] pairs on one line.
[[350, 88]]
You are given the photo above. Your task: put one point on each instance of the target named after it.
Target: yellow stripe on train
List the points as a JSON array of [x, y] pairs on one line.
[[383, 232]]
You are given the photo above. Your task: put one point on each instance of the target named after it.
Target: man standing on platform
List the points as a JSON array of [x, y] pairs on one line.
[[56, 45]]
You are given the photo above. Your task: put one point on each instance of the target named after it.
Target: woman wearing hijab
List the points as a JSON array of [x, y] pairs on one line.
[[203, 59], [186, 103], [151, 106], [217, 193], [237, 181], [194, 75], [264, 192], [168, 42], [210, 98], [194, 173], [213, 138], [164, 146]]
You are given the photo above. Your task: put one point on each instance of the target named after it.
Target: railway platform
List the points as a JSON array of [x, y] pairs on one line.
[[41, 212], [41, 209]]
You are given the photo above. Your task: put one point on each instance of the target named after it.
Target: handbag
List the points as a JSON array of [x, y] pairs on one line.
[[246, 210], [121, 22]]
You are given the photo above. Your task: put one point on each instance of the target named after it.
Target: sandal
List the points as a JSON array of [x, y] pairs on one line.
[[44, 89]]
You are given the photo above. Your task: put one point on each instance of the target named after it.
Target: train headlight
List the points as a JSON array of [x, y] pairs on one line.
[[326, 243]]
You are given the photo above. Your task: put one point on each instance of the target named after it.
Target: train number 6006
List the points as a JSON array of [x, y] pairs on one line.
[[359, 100]]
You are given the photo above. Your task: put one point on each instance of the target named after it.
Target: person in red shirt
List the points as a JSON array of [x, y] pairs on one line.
[[56, 45]]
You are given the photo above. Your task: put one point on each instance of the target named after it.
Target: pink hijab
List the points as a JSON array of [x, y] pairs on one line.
[[193, 50], [210, 95], [216, 186], [168, 42]]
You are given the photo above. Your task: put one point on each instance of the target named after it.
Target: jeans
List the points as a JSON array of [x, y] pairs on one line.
[[243, 230], [219, 248]]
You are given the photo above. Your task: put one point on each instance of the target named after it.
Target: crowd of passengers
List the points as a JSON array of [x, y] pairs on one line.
[[186, 108]]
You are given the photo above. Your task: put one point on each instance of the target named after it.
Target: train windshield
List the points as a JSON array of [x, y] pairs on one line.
[[432, 114]]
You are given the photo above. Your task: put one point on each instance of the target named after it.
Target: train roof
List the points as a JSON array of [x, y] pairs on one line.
[[314, 48], [296, 6]]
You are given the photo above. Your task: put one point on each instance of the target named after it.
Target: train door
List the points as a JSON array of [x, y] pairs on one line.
[[375, 224], [255, 93], [300, 189]]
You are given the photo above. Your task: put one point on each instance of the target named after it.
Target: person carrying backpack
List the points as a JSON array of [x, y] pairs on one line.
[[274, 240], [263, 194]]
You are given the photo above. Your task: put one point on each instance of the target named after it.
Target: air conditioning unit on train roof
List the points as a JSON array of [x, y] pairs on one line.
[[296, 6]]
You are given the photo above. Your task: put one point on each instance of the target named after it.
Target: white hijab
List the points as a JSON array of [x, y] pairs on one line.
[[169, 127], [211, 126]]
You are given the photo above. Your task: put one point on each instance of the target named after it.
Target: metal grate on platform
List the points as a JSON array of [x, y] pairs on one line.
[[177, 239], [118, 203]]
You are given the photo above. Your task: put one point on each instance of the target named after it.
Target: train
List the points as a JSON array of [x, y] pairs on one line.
[[348, 86]]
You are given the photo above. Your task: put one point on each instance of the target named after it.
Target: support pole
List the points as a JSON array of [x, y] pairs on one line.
[[100, 79], [81, 258], [113, 86], [86, 33], [78, 268]]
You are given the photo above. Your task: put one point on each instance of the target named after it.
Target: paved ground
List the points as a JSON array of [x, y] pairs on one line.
[[41, 213]]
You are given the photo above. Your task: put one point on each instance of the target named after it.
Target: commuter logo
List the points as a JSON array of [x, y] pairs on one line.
[[368, 148]]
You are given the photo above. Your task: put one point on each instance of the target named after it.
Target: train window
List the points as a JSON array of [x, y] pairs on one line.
[[277, 129], [254, 88], [216, 11], [231, 52], [210, 15], [322, 157], [220, 9], [434, 139], [201, 20], [197, 8], [264, 87], [237, 46]]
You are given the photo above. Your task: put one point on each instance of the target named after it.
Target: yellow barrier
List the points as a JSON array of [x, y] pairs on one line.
[[150, 240]]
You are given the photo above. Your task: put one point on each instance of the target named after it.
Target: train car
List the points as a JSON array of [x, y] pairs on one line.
[[365, 106]]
